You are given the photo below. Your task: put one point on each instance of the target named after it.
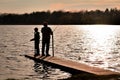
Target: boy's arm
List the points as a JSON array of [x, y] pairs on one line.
[[32, 39]]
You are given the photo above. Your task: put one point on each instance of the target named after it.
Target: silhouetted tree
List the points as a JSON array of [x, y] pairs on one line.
[[109, 16]]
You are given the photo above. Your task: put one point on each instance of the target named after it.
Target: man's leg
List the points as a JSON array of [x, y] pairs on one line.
[[47, 47], [43, 48]]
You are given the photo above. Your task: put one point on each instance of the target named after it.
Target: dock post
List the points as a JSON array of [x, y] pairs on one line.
[[52, 45]]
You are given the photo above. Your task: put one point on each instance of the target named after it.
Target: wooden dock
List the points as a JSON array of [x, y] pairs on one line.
[[74, 65]]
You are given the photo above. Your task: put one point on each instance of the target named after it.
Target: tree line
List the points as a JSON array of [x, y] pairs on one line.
[[109, 16]]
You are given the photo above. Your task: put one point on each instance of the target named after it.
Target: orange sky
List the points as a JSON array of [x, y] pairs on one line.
[[27, 6]]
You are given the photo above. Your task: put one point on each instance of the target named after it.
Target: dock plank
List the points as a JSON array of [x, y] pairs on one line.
[[77, 66]]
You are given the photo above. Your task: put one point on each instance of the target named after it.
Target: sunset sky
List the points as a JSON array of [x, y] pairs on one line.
[[27, 6]]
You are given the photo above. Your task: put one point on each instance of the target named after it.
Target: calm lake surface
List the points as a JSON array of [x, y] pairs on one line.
[[95, 45]]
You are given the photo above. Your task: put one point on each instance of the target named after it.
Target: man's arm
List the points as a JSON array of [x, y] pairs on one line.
[[51, 32], [42, 30]]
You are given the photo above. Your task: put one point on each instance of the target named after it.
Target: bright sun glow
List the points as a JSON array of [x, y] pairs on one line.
[[100, 33], [103, 37]]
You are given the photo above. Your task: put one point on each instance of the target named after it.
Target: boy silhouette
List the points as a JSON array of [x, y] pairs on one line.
[[36, 40]]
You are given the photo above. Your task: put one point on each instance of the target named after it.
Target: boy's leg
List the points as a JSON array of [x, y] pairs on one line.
[[35, 53], [38, 50]]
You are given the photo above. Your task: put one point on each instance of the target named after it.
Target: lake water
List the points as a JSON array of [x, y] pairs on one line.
[[95, 45]]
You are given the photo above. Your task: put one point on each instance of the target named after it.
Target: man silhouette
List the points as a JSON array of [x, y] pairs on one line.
[[36, 40], [46, 32]]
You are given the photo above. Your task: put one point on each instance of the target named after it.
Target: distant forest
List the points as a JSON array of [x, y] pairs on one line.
[[109, 16]]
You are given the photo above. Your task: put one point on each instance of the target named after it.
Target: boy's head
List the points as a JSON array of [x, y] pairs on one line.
[[36, 29]]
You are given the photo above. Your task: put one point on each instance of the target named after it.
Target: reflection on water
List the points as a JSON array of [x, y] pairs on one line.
[[46, 72], [96, 45], [41, 68], [104, 45], [103, 41]]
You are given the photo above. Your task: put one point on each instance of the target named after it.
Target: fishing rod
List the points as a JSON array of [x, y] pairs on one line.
[[55, 29], [53, 41]]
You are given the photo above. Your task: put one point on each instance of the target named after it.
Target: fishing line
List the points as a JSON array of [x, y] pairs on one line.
[[55, 29]]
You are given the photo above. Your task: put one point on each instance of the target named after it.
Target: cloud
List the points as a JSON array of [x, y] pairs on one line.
[[42, 5], [108, 4], [57, 6], [118, 6], [7, 1]]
